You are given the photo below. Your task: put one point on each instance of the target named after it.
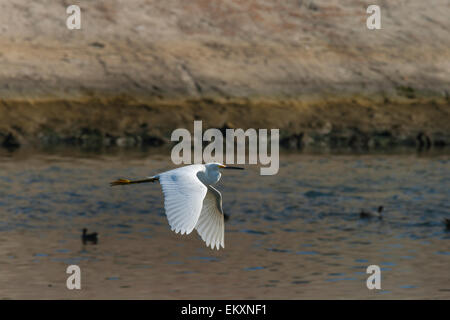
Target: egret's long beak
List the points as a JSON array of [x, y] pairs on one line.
[[231, 167], [121, 182]]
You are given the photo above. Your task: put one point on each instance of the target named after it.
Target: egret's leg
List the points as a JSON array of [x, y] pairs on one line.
[[121, 182]]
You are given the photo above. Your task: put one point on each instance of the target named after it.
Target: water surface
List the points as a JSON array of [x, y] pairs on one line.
[[294, 235]]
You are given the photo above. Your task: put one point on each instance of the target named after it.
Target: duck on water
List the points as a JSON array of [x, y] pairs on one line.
[[447, 224], [89, 237], [369, 214]]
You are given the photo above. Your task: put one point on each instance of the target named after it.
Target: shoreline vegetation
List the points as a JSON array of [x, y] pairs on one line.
[[355, 123]]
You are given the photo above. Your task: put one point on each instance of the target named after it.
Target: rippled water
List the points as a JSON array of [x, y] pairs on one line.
[[290, 236]]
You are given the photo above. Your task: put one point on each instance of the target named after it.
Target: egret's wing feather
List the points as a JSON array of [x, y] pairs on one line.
[[210, 225], [183, 198]]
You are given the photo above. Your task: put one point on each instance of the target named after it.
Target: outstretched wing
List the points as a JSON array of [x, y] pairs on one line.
[[183, 197], [210, 225]]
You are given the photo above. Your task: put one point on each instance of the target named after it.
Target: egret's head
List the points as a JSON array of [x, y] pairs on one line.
[[217, 166]]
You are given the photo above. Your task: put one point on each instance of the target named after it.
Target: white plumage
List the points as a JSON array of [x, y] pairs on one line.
[[210, 225], [191, 202]]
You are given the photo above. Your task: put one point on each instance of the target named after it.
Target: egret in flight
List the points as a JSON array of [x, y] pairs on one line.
[[190, 200]]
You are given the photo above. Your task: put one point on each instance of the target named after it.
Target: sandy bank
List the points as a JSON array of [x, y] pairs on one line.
[[139, 69]]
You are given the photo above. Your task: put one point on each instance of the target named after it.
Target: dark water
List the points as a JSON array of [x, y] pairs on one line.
[[293, 235]]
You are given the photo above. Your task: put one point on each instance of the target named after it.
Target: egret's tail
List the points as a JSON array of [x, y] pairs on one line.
[[121, 182]]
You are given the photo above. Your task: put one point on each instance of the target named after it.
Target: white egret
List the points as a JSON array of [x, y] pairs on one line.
[[190, 200]]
